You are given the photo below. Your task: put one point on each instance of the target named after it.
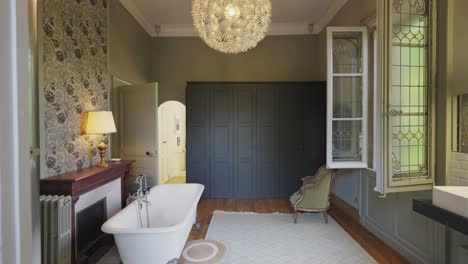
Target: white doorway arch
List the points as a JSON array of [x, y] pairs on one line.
[[172, 141]]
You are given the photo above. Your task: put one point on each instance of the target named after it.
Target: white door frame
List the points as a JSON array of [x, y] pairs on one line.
[[166, 118], [15, 179]]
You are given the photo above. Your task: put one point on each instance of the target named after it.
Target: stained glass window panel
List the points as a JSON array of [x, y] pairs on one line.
[[347, 140], [347, 97], [347, 52], [409, 98]]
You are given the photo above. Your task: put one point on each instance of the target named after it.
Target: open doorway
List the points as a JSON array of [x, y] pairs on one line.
[[172, 138]]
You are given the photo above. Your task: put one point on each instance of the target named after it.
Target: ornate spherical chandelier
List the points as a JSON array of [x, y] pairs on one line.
[[232, 26]]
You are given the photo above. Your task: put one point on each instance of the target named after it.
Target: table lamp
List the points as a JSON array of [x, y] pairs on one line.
[[101, 123]]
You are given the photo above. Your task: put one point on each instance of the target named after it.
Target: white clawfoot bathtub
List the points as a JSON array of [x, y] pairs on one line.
[[172, 213]]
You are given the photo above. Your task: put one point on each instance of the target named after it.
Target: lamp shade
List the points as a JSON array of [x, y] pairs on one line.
[[101, 122]]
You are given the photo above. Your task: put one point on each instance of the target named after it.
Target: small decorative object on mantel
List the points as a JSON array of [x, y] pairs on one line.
[[232, 26], [101, 123]]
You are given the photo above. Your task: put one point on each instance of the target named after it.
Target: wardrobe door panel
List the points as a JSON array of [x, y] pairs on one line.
[[267, 150], [291, 139], [221, 142], [315, 123], [245, 141], [198, 136], [254, 140]]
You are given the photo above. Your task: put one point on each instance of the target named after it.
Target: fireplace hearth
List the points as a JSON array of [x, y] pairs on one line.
[[92, 243]]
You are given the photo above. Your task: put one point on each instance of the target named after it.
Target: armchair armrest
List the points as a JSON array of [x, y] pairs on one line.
[[308, 179]]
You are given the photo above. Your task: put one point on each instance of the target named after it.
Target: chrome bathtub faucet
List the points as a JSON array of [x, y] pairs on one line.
[[143, 190], [141, 198]]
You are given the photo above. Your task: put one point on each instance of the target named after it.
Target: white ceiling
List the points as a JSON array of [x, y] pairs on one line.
[[173, 17]]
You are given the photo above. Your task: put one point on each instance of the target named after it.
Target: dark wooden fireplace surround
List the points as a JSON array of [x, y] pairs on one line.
[[79, 182]]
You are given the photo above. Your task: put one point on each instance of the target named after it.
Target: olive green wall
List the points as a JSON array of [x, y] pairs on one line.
[[129, 56], [443, 103], [277, 58], [451, 58], [129, 46], [459, 45]]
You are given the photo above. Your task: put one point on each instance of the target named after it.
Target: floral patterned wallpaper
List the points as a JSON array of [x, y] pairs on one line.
[[73, 77]]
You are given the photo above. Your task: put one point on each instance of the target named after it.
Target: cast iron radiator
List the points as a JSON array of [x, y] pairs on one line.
[[56, 229]]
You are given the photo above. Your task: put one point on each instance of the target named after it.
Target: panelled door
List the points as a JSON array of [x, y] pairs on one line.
[[267, 178], [221, 142], [198, 136], [245, 126], [291, 167], [138, 127], [254, 140]]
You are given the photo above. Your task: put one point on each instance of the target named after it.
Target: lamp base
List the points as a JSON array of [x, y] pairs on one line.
[[102, 147]]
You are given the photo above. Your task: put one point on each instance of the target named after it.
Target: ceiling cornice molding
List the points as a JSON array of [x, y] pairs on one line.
[[370, 21], [281, 29], [140, 18], [276, 29], [177, 30], [335, 7]]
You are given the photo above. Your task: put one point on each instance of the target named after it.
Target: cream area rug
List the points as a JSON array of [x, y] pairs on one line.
[[252, 238]]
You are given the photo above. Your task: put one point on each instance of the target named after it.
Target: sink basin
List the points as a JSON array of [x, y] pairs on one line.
[[451, 198]]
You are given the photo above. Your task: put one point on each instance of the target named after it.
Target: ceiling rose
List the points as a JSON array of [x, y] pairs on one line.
[[232, 26]]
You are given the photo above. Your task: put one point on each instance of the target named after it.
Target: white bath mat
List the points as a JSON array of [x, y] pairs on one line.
[[252, 238], [202, 252]]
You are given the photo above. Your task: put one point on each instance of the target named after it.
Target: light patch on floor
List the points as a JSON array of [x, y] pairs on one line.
[[274, 239]]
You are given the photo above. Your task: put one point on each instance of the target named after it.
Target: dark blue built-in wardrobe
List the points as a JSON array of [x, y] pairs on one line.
[[254, 140]]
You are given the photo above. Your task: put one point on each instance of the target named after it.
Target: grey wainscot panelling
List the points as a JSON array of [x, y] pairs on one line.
[[393, 220], [347, 186], [458, 243]]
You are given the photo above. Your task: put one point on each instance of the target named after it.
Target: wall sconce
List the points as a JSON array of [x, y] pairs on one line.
[[100, 123]]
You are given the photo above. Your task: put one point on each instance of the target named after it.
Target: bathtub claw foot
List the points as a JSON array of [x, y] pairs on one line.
[[174, 261], [197, 227]]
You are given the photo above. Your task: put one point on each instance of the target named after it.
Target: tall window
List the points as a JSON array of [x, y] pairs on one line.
[[400, 101], [409, 98], [347, 97]]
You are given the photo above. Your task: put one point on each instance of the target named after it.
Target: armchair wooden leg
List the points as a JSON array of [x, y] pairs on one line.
[[295, 217], [325, 217]]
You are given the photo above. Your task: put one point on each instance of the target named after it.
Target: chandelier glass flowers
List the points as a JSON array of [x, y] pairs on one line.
[[232, 26]]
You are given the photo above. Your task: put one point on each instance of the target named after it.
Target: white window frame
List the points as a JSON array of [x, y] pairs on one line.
[[330, 119]]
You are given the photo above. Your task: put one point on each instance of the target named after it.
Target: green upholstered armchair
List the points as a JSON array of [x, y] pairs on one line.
[[314, 195]]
